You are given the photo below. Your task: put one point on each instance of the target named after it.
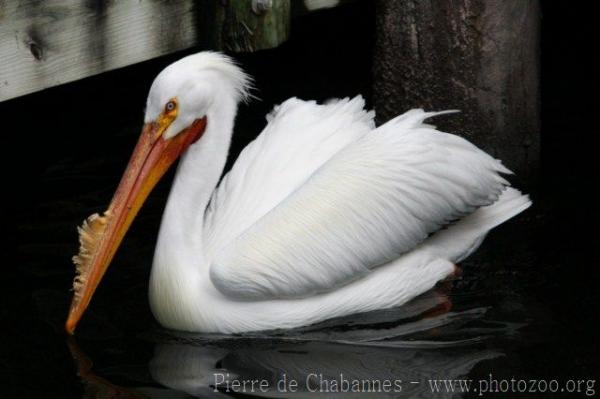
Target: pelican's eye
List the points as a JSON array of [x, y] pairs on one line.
[[171, 105]]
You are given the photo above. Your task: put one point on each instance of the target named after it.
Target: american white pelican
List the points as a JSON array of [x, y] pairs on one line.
[[322, 215]]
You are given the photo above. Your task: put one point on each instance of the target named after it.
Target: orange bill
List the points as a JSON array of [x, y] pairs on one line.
[[100, 236]]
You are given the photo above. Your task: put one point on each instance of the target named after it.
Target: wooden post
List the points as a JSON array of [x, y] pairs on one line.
[[245, 25], [479, 56]]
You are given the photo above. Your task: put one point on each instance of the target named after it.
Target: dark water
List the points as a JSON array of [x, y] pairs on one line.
[[514, 313], [525, 307]]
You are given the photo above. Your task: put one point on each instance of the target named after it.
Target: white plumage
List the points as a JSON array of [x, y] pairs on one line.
[[322, 215]]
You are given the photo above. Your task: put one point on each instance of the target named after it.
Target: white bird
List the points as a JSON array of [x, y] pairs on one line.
[[322, 215]]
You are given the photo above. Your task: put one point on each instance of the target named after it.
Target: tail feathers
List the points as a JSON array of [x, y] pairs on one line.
[[463, 238], [510, 203]]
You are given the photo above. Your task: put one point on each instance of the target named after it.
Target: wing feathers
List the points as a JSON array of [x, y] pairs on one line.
[[300, 137], [374, 200]]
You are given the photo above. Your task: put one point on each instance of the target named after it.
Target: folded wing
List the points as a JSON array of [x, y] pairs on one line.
[[299, 138], [372, 201]]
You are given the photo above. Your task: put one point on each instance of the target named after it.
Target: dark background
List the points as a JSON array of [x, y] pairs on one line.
[[65, 148]]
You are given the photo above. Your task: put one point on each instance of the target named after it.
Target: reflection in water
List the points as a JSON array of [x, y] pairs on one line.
[[397, 350], [314, 367], [95, 386]]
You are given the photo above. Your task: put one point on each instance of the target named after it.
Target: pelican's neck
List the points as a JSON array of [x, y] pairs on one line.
[[179, 254], [197, 176]]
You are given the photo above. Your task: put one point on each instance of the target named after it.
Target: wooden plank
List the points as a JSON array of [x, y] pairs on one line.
[[46, 43]]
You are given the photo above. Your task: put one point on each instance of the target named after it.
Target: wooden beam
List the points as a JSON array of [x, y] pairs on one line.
[[48, 43]]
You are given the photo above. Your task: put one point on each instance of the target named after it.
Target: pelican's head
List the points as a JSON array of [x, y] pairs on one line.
[[180, 99], [186, 90]]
